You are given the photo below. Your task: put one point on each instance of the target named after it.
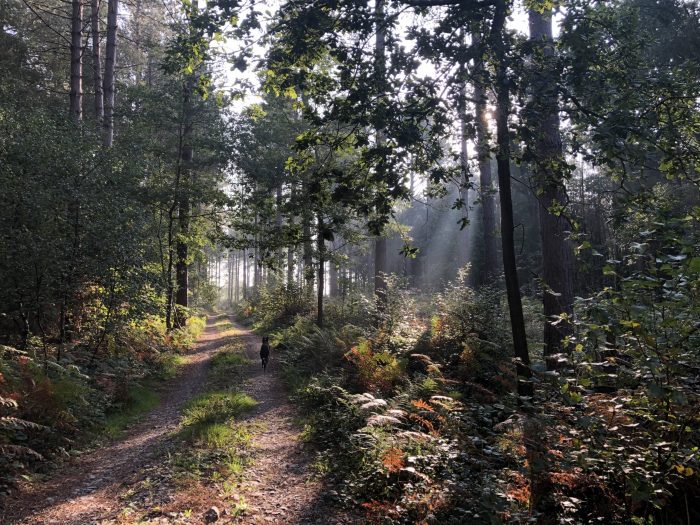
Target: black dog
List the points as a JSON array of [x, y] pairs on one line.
[[265, 352]]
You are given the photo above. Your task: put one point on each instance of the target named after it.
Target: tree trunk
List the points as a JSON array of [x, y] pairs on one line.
[[181, 269], [138, 67], [236, 276], [332, 277], [380, 268], [290, 266], [229, 279], [308, 255], [110, 63], [550, 173], [488, 207], [245, 274], [76, 61], [184, 207], [256, 254], [464, 183], [96, 59], [380, 272], [321, 245], [170, 287], [277, 272], [515, 306]]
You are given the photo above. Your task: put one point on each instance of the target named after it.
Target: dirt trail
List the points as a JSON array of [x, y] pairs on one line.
[[278, 487]]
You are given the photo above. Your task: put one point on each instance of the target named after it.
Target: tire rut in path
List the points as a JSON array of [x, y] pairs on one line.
[[88, 489]]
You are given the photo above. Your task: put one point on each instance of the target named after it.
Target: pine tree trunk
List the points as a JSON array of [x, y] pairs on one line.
[[138, 67], [96, 59], [110, 63], [229, 279], [308, 255], [277, 271], [256, 256], [245, 274], [290, 249], [290, 266], [332, 277], [76, 61], [236, 277], [488, 206], [549, 174], [321, 246], [184, 210], [181, 268], [380, 272], [464, 183]]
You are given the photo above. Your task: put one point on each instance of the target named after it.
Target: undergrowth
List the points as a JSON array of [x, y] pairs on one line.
[[415, 418], [141, 400]]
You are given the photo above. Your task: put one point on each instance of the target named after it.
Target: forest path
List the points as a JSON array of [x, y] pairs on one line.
[[87, 490], [278, 487]]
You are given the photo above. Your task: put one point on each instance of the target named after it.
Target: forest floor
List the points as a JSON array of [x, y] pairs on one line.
[[130, 480]]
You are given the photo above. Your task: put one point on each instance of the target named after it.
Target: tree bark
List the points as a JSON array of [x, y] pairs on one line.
[[321, 246], [380, 268], [245, 274], [510, 268], [279, 259], [308, 255], [236, 277], [76, 61], [256, 255], [332, 276], [181, 265], [96, 59], [110, 63], [488, 207], [549, 174], [229, 279], [464, 183], [290, 266], [184, 208], [138, 67]]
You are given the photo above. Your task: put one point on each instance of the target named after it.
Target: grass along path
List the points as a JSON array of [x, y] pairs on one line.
[[223, 436]]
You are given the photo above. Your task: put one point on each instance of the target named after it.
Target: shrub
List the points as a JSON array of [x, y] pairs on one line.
[[374, 371], [635, 357]]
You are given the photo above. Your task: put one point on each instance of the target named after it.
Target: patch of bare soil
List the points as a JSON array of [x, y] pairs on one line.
[[126, 482]]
